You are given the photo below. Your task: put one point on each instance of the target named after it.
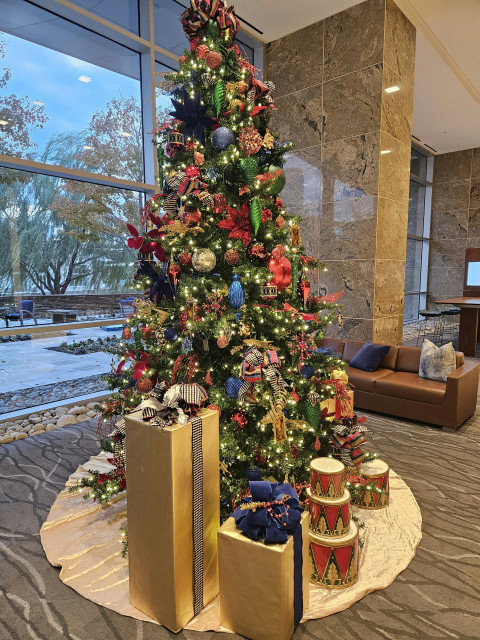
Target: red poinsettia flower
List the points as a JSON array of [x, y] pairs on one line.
[[266, 215], [238, 222], [136, 241]]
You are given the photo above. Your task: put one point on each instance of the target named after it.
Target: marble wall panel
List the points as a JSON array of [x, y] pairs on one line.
[[389, 287], [298, 117], [449, 224], [447, 253], [355, 277], [448, 196], [450, 167], [392, 218], [473, 243], [311, 229], [446, 282], [394, 168], [355, 329], [304, 186], [474, 202], [350, 167], [474, 223], [354, 39], [346, 230], [400, 39], [352, 103], [475, 163], [397, 107], [296, 61], [388, 330]]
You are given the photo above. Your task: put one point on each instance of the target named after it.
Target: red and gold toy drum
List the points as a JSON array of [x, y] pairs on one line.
[[330, 516], [374, 492], [334, 561], [326, 478]]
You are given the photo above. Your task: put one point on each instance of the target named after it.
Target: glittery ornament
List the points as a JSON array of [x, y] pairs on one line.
[[183, 59], [198, 158], [232, 387], [250, 140], [170, 334], [235, 104], [191, 145], [279, 203], [222, 138], [232, 257], [218, 97], [213, 407], [278, 252], [144, 385], [230, 87], [257, 252], [185, 258], [201, 51], [222, 341], [268, 140], [213, 59], [250, 168], [126, 333], [236, 293], [307, 371], [220, 203], [241, 418], [192, 171], [280, 221], [204, 260], [242, 86], [255, 214]]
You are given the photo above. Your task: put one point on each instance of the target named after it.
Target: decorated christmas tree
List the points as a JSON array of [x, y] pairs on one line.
[[227, 283]]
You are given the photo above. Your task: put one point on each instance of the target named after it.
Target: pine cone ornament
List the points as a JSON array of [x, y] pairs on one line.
[[222, 341], [213, 59], [185, 259], [232, 257], [280, 221], [127, 333], [144, 385]]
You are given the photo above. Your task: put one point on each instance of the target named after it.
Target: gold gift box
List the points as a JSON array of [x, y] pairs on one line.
[[339, 374], [256, 583], [347, 406], [159, 510]]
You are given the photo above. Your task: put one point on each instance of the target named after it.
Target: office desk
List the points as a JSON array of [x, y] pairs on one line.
[[469, 327]]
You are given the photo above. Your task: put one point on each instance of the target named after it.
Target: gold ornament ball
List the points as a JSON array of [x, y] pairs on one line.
[[204, 260]]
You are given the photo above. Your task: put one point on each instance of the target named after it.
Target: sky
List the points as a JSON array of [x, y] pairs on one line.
[[52, 78]]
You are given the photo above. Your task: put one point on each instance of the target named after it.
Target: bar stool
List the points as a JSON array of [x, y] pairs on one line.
[[436, 332], [450, 322]]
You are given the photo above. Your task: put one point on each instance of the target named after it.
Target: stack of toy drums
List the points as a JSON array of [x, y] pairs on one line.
[[373, 492], [333, 534]]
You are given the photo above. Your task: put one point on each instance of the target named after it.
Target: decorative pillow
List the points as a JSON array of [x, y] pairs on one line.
[[437, 363], [369, 357]]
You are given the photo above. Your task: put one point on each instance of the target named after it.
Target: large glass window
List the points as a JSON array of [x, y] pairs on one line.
[[419, 206]]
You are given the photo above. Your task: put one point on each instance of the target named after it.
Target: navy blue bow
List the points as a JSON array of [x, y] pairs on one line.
[[161, 285], [271, 513]]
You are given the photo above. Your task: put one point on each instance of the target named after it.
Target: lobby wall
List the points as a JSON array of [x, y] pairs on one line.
[[331, 102], [455, 224]]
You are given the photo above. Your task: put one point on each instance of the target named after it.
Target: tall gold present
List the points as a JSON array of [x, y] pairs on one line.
[[257, 590], [173, 519]]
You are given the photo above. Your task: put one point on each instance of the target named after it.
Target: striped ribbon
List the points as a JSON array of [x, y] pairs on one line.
[[197, 513], [254, 364]]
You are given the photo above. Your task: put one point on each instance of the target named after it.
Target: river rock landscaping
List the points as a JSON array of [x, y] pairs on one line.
[[82, 347], [47, 420]]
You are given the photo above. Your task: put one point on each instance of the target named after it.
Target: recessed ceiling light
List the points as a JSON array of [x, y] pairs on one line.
[[85, 79], [87, 147], [125, 134], [385, 151], [37, 102], [392, 89], [3, 121]]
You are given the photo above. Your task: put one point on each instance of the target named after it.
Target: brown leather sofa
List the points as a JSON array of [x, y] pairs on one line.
[[395, 387]]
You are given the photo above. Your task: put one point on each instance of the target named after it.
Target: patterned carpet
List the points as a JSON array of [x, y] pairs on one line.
[[437, 596]]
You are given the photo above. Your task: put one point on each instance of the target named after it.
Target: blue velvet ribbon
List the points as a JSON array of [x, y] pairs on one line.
[[276, 515]]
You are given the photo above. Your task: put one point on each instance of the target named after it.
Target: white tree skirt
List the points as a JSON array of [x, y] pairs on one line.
[[83, 538]]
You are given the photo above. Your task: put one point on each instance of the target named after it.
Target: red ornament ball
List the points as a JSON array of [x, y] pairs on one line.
[[280, 221], [126, 333], [214, 407], [144, 385], [241, 418], [213, 59], [201, 51], [220, 203], [257, 252], [278, 252], [282, 272], [185, 259], [183, 59], [232, 257], [192, 171]]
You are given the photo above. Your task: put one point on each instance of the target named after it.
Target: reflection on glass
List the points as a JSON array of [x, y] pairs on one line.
[[124, 13], [304, 182], [418, 164], [169, 32], [411, 308], [416, 208], [67, 96], [413, 265]]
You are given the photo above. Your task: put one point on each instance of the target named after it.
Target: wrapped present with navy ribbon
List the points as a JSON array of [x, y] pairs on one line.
[[264, 564], [173, 513]]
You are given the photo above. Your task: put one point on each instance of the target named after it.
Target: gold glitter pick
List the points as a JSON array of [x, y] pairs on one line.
[[297, 424], [180, 228]]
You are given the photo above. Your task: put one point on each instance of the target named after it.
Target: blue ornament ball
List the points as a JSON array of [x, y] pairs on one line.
[[236, 294], [307, 371], [232, 387], [222, 138], [170, 334], [254, 474]]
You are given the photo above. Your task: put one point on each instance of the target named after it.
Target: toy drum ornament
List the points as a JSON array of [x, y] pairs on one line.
[[326, 478], [374, 490], [334, 561], [330, 516]]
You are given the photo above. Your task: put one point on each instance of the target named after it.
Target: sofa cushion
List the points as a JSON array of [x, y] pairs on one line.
[[459, 358], [390, 359], [408, 359], [351, 348], [365, 380], [334, 343], [437, 363], [409, 386], [369, 356]]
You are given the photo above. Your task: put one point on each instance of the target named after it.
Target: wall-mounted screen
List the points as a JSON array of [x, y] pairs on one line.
[[473, 274]]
